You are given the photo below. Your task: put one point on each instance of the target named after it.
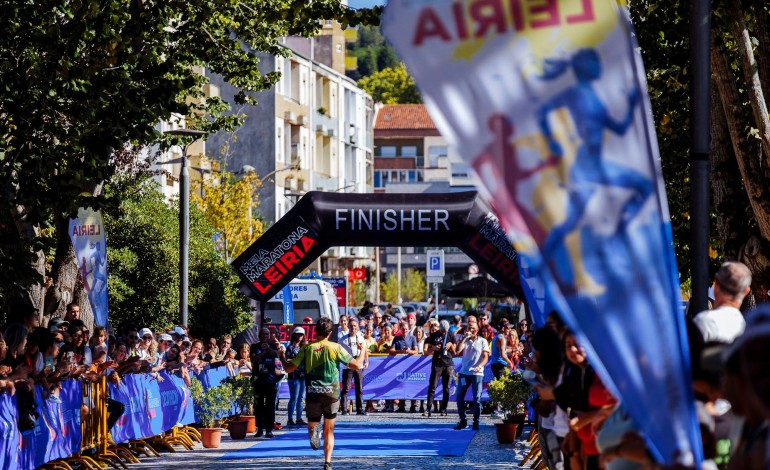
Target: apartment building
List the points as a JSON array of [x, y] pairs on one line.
[[412, 157], [312, 131]]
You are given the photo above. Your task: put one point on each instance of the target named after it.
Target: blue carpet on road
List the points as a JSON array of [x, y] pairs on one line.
[[366, 439]]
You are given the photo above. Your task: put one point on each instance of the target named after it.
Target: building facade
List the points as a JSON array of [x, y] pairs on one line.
[[412, 157], [310, 132]]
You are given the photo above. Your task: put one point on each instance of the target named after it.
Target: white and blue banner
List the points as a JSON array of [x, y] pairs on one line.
[[88, 240], [547, 102]]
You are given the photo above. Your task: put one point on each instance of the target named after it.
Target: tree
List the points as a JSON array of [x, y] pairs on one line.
[[412, 286], [80, 80], [359, 292], [740, 130], [391, 86], [143, 249], [228, 205]]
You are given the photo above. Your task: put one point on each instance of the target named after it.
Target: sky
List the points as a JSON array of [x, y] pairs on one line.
[[365, 3]]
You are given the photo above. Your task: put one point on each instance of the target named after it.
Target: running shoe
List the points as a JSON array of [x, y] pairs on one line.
[[461, 425], [269, 435], [327, 466], [315, 437], [475, 426]]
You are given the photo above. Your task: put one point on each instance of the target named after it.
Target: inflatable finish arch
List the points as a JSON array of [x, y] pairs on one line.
[[321, 220]]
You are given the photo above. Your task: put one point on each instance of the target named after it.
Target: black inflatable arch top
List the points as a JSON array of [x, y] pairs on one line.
[[321, 220]]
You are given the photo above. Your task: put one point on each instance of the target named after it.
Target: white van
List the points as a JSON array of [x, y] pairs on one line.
[[312, 298]]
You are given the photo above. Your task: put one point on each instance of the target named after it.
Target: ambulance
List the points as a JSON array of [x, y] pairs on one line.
[[314, 298]]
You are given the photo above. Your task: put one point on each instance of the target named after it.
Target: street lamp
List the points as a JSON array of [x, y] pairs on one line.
[[184, 220], [294, 166]]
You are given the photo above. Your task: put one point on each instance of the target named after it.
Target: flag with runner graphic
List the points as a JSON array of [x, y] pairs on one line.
[[547, 102]]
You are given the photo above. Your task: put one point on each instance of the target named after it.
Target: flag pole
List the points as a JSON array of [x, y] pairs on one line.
[[700, 50]]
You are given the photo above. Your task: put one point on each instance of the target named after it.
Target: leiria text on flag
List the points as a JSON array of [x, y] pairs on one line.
[[547, 102], [88, 239]]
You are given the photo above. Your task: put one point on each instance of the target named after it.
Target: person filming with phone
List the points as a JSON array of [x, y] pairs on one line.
[[475, 354]]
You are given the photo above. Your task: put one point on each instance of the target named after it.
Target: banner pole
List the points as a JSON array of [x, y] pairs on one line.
[[700, 47]]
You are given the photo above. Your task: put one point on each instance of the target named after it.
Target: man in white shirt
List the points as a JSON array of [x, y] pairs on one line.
[[725, 321], [352, 340], [475, 353]]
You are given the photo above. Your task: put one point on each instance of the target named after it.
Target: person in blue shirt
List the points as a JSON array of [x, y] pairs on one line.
[[403, 344]]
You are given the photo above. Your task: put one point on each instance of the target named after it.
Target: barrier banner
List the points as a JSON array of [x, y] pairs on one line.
[[548, 104], [187, 410], [172, 401], [71, 433], [152, 403], [87, 235], [37, 443], [213, 377], [394, 377], [128, 426], [10, 439]]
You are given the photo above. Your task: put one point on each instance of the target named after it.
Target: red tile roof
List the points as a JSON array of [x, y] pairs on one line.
[[404, 117]]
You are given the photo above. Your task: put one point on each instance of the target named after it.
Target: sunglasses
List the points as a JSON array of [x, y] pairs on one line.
[[147, 338]]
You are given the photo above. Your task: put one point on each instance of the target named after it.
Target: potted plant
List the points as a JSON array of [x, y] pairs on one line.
[[211, 406], [509, 392], [243, 397]]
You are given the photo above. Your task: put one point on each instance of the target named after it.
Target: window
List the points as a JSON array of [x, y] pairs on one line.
[[409, 151], [436, 151], [377, 182], [388, 151], [302, 309]]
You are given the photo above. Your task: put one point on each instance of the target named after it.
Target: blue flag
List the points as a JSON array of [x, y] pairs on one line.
[[548, 105]]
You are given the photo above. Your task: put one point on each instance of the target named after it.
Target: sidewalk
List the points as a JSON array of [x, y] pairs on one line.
[[483, 452]]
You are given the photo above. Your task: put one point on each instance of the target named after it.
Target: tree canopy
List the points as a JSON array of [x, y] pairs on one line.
[[391, 86], [413, 286], [80, 80], [143, 251], [740, 128]]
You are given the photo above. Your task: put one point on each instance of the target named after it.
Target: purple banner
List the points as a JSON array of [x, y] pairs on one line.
[[9, 432], [71, 435], [395, 377], [187, 410]]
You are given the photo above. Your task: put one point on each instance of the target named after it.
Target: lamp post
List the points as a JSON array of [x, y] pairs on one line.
[[184, 220]]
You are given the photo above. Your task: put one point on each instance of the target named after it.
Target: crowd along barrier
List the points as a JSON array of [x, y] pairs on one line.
[[77, 422]]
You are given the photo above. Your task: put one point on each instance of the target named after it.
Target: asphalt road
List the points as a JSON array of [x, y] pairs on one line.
[[483, 452]]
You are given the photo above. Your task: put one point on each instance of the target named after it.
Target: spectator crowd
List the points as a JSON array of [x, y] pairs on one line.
[[581, 425]]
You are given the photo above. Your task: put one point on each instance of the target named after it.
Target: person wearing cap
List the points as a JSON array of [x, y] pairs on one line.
[[165, 341], [308, 320], [296, 379], [725, 322], [411, 323], [145, 340], [57, 324]]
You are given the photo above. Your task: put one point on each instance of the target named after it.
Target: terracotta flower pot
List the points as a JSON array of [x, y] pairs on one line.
[[252, 423], [211, 437], [237, 429], [506, 432]]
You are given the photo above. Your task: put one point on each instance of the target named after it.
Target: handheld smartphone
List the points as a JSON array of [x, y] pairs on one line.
[[49, 363], [71, 357]]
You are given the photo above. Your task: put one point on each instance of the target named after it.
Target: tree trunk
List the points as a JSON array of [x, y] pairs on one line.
[[730, 203], [35, 292], [751, 170], [763, 37], [754, 177], [65, 275], [751, 76]]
